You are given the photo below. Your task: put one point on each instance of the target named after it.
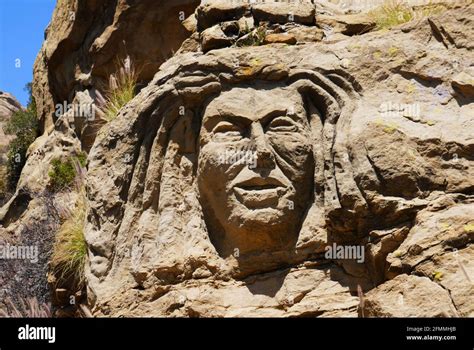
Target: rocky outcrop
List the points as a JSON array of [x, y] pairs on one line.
[[288, 160], [31, 218], [220, 24], [406, 296], [386, 171], [8, 106], [86, 38]]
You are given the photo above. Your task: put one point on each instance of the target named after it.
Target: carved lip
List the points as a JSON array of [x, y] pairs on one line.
[[260, 184], [260, 192]]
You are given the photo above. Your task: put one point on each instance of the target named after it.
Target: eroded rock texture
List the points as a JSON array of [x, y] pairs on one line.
[[8, 106], [276, 130], [363, 141], [31, 218], [86, 38]]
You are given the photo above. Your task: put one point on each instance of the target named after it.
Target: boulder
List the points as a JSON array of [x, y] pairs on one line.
[[212, 12], [214, 38], [8, 106], [280, 39], [347, 24], [282, 12], [408, 296], [332, 178], [305, 34], [464, 83]]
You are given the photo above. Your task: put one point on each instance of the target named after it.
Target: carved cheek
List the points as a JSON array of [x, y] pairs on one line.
[[217, 168], [294, 149]]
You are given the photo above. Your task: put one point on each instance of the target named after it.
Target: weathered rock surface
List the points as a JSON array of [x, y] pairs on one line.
[[392, 158], [32, 217], [347, 24], [219, 188], [408, 296], [8, 106], [464, 83], [302, 12], [214, 38], [254, 24], [280, 39], [86, 38]]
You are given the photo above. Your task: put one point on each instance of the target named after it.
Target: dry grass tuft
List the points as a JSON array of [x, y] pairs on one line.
[[119, 91], [70, 249], [69, 254], [396, 12], [29, 308]]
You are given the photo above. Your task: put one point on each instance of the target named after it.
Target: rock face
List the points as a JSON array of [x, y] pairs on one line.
[[222, 187], [31, 218], [224, 23], [289, 160], [8, 106], [86, 38], [405, 296]]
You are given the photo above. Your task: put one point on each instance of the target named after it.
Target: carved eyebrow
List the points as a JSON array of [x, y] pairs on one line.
[[272, 115], [281, 113], [215, 119], [241, 120]]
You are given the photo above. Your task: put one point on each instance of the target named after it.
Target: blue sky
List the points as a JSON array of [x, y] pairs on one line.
[[22, 25]]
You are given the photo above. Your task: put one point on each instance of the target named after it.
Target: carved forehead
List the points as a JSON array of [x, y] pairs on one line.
[[254, 102]]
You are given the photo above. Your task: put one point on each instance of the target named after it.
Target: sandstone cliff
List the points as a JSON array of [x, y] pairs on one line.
[[359, 136], [85, 38], [8, 106]]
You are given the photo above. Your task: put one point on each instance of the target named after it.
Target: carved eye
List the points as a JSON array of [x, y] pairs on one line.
[[282, 124], [226, 130]]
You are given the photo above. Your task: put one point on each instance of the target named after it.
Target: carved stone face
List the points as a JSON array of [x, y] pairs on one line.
[[255, 169]]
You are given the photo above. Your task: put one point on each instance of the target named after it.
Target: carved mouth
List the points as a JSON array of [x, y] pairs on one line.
[[258, 187], [260, 183], [260, 192]]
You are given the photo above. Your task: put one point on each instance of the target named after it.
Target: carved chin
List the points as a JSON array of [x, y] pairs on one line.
[[267, 207], [260, 198], [264, 221]]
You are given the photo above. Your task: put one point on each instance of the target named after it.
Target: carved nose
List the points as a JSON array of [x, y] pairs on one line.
[[263, 151]]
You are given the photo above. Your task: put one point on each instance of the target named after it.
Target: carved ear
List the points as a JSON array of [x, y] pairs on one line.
[[184, 134]]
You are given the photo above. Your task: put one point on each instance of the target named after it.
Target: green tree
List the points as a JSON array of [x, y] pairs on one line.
[[63, 173], [24, 125]]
